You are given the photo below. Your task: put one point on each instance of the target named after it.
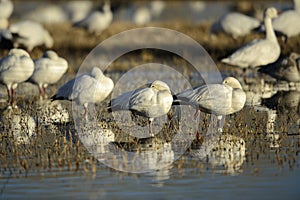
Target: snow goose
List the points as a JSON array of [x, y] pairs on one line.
[[260, 51], [48, 70], [288, 21], [150, 102], [77, 10], [92, 87], [236, 24], [30, 34], [15, 68], [47, 14], [97, 21], [6, 9], [218, 99], [287, 69]]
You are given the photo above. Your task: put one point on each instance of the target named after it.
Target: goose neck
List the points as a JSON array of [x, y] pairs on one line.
[[270, 34]]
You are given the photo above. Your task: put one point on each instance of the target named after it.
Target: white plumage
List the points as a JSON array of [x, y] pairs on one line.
[[150, 102], [219, 99], [288, 21], [15, 68], [30, 34], [260, 51], [236, 24], [6, 9], [48, 70], [97, 21], [92, 87]]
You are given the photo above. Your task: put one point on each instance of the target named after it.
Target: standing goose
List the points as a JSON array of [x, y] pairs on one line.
[[286, 69], [92, 87], [288, 21], [260, 51], [15, 68], [218, 99], [97, 21], [150, 102], [48, 70]]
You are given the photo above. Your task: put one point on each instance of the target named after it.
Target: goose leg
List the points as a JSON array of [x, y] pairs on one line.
[[14, 99], [9, 101], [219, 123], [197, 113], [45, 92], [40, 92], [151, 127]]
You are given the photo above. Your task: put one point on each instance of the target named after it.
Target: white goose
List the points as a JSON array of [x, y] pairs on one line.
[[15, 68], [218, 99], [288, 21], [6, 9], [150, 102], [236, 24], [92, 87], [30, 34], [260, 51], [48, 70], [97, 21]]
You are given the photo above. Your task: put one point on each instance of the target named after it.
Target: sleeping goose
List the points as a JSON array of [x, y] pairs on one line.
[[48, 70], [15, 68]]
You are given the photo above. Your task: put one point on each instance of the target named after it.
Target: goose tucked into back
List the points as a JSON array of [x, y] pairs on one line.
[[48, 70], [92, 87], [15, 68]]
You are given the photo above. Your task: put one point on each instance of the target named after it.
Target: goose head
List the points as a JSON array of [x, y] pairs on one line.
[[160, 86], [270, 13], [50, 54], [232, 82]]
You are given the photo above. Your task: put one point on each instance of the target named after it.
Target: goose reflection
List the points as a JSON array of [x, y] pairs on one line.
[[19, 124], [286, 105], [225, 153]]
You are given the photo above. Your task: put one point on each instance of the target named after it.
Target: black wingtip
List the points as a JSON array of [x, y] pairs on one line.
[[54, 98]]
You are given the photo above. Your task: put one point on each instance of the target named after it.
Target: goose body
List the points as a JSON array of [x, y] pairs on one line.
[[150, 102], [15, 68], [92, 87], [30, 34], [48, 70]]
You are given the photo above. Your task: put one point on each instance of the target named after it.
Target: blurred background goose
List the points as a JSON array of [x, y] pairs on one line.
[[235, 24], [6, 9], [288, 21], [97, 21], [150, 102], [15, 68], [260, 51], [48, 70], [30, 34]]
